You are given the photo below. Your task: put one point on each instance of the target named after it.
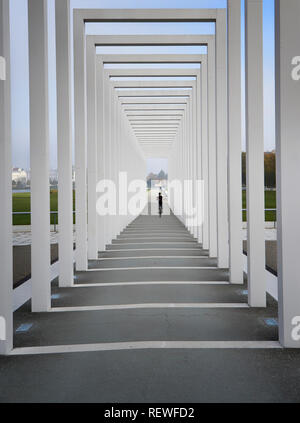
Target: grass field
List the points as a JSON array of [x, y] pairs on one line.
[[270, 203], [21, 203]]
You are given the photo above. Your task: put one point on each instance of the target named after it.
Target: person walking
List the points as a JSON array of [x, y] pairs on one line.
[[160, 204]]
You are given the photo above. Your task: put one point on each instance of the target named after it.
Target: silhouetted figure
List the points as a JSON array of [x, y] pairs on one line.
[[160, 204]]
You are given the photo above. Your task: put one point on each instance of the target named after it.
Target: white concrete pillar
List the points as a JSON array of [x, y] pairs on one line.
[[195, 163], [184, 162], [80, 143], [39, 155], [255, 152], [199, 161], [234, 141], [287, 30], [212, 170], [6, 264], [187, 188], [91, 152], [203, 88], [221, 87], [118, 149], [64, 143], [121, 146], [107, 148], [100, 149], [110, 141], [113, 156]]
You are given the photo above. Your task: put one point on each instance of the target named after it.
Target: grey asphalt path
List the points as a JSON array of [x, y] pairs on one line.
[[153, 376], [151, 244], [148, 286], [147, 324], [153, 262], [150, 274], [147, 294], [154, 253]]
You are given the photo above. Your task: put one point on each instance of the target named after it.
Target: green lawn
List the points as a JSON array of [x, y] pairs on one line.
[[21, 203], [270, 203]]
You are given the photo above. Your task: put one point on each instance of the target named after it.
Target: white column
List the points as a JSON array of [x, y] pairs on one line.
[[64, 143], [39, 155], [100, 148], [221, 84], [80, 144], [287, 30], [255, 152], [234, 141], [204, 156], [6, 265], [184, 163], [91, 151], [196, 163], [212, 170], [188, 165], [107, 148], [110, 157], [199, 161]]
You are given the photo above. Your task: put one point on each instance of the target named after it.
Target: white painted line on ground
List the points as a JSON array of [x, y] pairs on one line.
[[142, 345], [147, 306], [154, 257], [153, 268], [99, 284], [155, 225], [156, 232], [192, 239], [152, 249], [157, 229], [153, 235], [155, 243]]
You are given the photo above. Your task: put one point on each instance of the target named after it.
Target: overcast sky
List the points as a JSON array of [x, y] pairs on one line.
[[19, 58]]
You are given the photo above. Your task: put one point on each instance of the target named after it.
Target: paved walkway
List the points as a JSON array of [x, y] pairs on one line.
[[153, 319]]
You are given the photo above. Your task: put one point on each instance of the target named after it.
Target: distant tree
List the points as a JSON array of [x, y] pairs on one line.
[[243, 169], [161, 175], [270, 169], [151, 176], [21, 185]]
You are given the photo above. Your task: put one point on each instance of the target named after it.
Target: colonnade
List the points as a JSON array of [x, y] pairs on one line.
[[195, 122]]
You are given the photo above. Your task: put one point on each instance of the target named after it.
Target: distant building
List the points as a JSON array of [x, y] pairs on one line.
[[19, 176], [157, 181]]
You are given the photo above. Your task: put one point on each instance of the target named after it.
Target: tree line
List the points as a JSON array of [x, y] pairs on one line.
[[270, 169]]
